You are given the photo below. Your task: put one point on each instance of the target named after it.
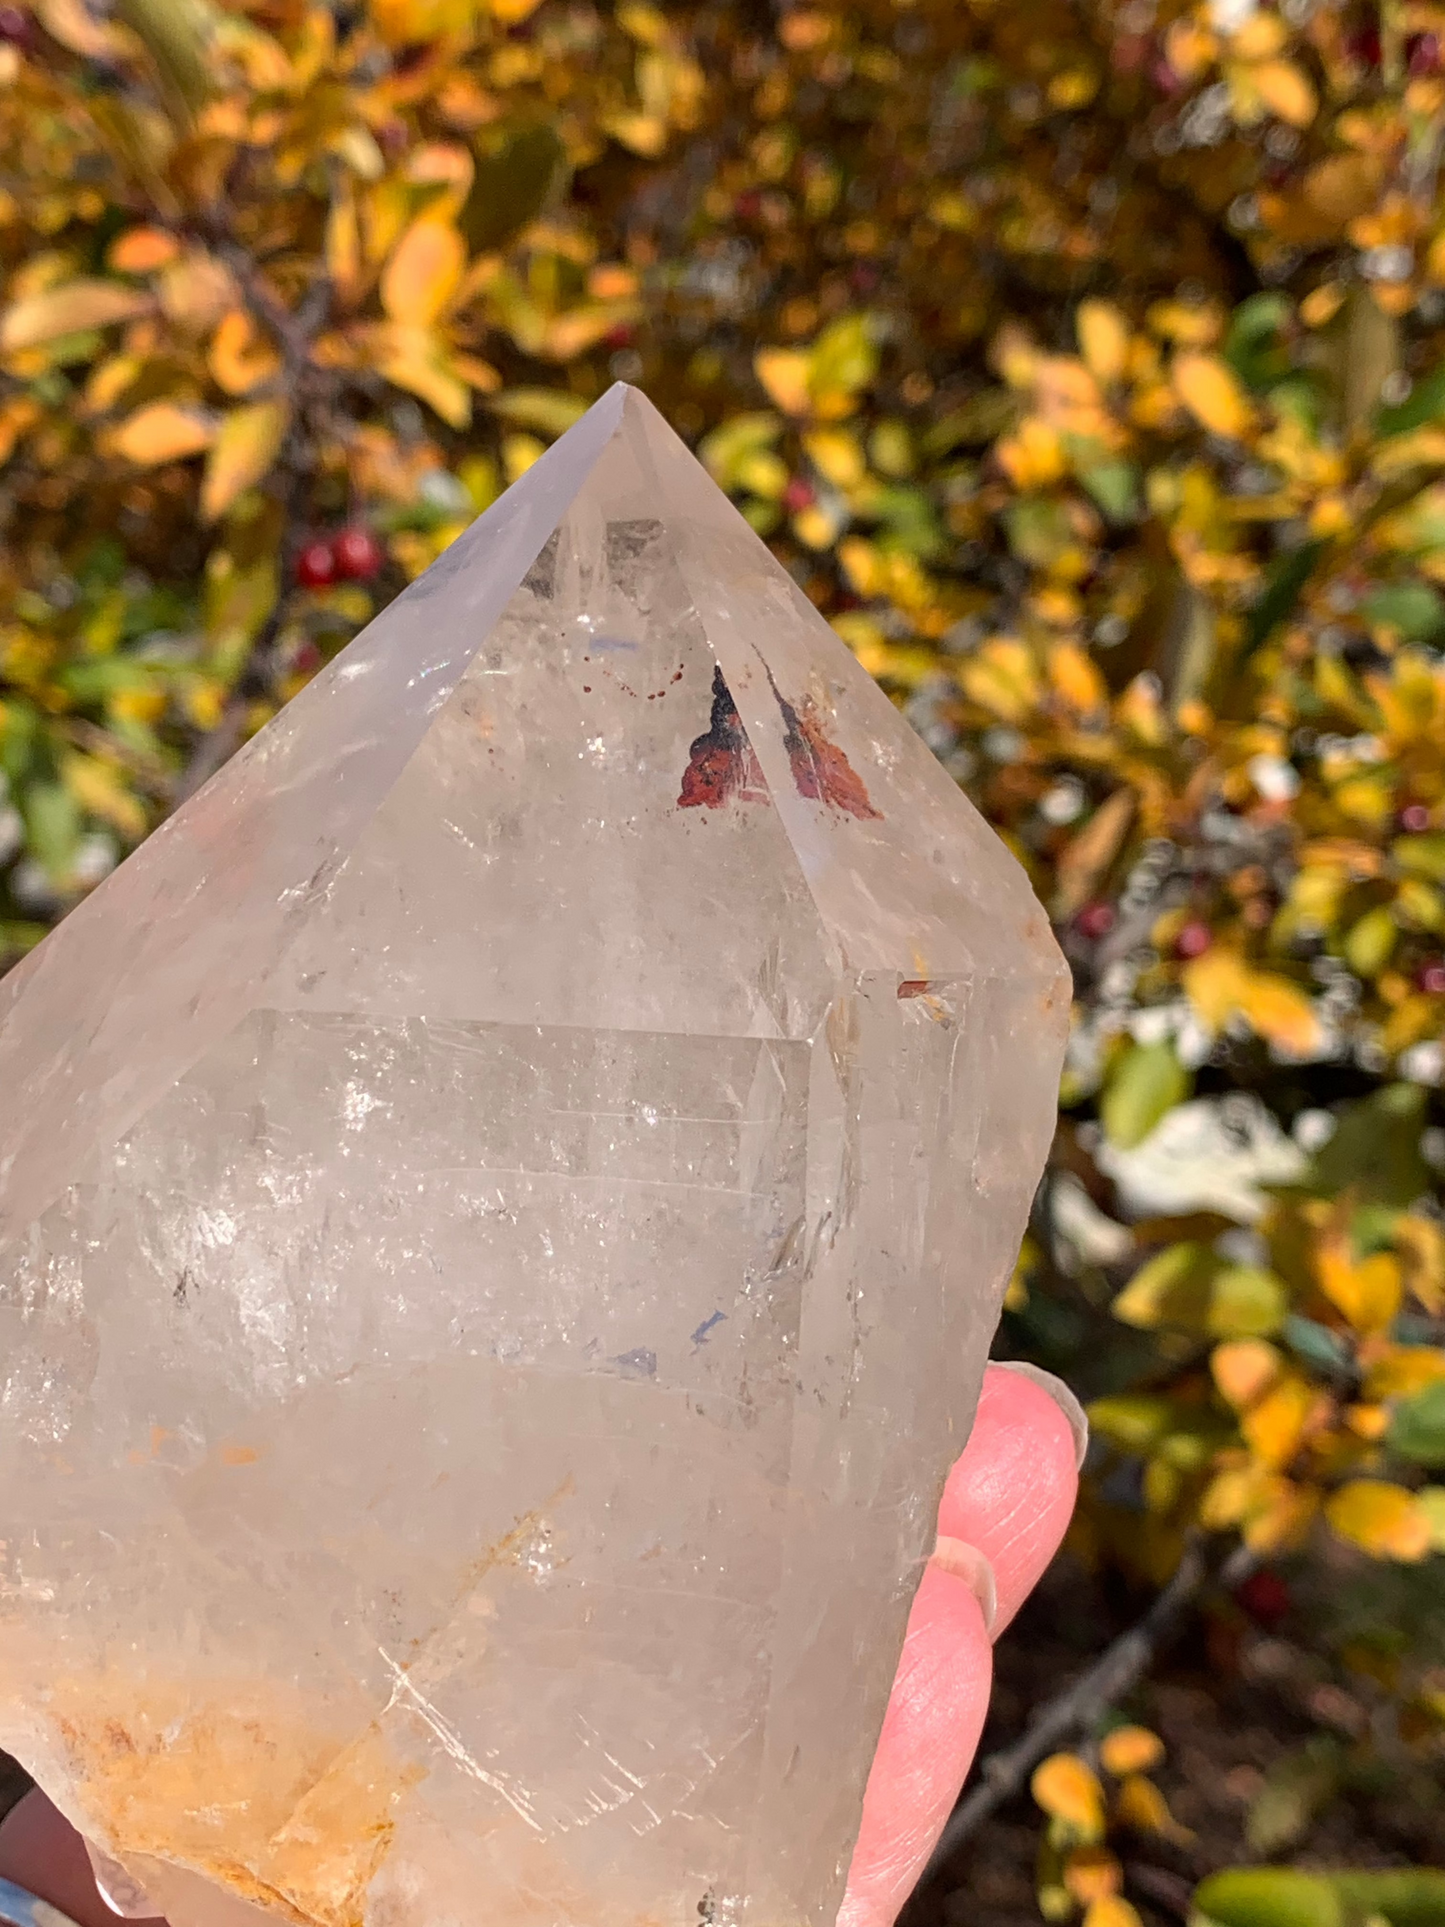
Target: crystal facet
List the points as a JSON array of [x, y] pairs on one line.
[[503, 1203]]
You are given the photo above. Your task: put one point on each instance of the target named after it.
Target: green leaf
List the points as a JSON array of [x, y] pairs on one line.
[[1371, 940], [1135, 1421], [550, 411], [1417, 1430], [1315, 1344], [518, 165], [1146, 1082], [1425, 403], [1173, 1288], [1376, 1149], [1414, 609], [1296, 1788], [1421, 856], [53, 827], [1246, 1301], [985, 415], [1255, 347], [1287, 577], [1114, 487], [844, 357], [1268, 1897], [1406, 1896]]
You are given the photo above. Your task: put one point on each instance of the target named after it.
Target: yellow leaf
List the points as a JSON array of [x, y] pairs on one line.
[[1139, 1804], [1086, 857], [1210, 390], [1285, 91], [1076, 679], [240, 357], [1103, 340], [415, 359], [1214, 984], [1275, 1424], [836, 455], [163, 431], [248, 441], [1368, 1293], [1421, 1244], [1399, 1371], [1000, 677], [784, 374], [1092, 1873], [1068, 1790], [509, 12], [68, 310], [1112, 1911], [1033, 456], [1244, 1369], [1382, 1519], [423, 273], [100, 788], [1281, 1013], [1130, 1749]]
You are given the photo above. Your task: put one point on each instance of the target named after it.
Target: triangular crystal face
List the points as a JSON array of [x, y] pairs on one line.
[[503, 1203]]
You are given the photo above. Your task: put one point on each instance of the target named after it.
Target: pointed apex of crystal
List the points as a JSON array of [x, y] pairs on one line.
[[503, 1203]]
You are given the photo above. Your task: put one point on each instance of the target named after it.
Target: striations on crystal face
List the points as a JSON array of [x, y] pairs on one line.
[[503, 1204]]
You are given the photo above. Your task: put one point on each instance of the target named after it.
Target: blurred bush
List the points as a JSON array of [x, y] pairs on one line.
[[1086, 365]]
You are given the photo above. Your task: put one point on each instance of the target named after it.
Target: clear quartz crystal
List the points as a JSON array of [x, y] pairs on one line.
[[503, 1204]]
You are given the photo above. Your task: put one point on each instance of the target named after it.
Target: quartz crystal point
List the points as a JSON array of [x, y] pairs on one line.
[[503, 1204]]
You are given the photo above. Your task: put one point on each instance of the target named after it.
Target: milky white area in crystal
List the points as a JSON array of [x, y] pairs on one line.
[[503, 1204]]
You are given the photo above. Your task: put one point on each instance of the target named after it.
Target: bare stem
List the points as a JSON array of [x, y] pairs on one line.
[[1117, 1670]]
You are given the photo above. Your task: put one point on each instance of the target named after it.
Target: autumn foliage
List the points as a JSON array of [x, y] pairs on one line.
[[1086, 363]]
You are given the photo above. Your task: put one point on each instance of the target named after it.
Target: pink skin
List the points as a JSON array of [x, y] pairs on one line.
[[1009, 1497]]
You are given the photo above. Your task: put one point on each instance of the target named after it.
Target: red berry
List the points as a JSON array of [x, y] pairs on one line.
[[356, 555], [1364, 46], [863, 277], [1414, 818], [1422, 53], [1430, 977], [316, 565], [622, 336], [749, 206], [1265, 1597], [1096, 920], [1165, 78], [1193, 940], [14, 27], [798, 495]]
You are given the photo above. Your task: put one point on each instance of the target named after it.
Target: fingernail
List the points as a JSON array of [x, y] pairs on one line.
[[966, 1562], [1059, 1392]]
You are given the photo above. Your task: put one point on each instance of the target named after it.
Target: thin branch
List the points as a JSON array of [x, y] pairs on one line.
[[1081, 1705]]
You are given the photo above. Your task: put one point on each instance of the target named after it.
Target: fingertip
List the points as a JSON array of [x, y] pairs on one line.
[[1012, 1492]]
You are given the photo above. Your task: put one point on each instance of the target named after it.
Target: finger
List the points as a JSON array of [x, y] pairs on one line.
[[41, 1852], [1007, 1499], [1012, 1492]]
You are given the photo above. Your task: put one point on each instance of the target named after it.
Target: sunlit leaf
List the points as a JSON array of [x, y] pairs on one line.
[[68, 309], [423, 272], [1380, 1518], [163, 431], [245, 445], [1068, 1790], [1210, 390]]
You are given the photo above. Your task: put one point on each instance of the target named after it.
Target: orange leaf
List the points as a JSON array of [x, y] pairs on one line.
[[68, 310], [1112, 1911], [1076, 679], [1068, 1790], [1142, 1806], [163, 431], [142, 249], [423, 273], [1210, 390], [1421, 1244], [1382, 1519], [1281, 1013], [241, 358], [784, 374], [246, 445], [1214, 984], [1130, 1749], [1368, 1293], [1285, 91], [1402, 1370], [415, 359], [1274, 1426], [1244, 1370], [1092, 1873]]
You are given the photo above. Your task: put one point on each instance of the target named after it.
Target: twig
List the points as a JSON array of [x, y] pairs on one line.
[[1078, 1707]]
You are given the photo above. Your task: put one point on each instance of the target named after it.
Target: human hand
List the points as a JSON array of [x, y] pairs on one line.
[[1004, 1510], [1005, 1506]]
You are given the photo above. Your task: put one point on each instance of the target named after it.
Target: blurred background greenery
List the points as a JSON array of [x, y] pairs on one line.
[[1085, 364]]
